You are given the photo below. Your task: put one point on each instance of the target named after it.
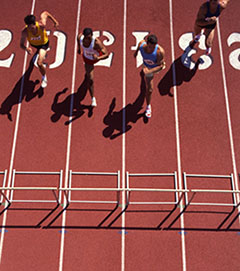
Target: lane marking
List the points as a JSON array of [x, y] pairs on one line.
[[177, 135], [14, 142], [228, 114], [69, 134], [123, 135]]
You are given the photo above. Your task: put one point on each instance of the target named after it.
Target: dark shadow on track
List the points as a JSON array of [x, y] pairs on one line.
[[182, 74], [110, 212], [114, 119], [28, 92], [26, 211], [73, 100]]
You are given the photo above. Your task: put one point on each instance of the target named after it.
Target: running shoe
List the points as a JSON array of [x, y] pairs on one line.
[[208, 51], [94, 102], [148, 112], [44, 81]]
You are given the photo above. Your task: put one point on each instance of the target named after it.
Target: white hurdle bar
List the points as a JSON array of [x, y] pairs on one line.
[[70, 188], [233, 191], [53, 189], [175, 190]]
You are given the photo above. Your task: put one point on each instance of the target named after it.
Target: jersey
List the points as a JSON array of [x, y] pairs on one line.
[[88, 52], [40, 38], [149, 60]]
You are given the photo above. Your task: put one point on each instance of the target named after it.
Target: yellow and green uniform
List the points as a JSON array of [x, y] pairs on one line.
[[40, 38]]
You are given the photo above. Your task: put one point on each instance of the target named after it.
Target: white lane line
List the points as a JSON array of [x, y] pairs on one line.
[[235, 174], [14, 143], [69, 137], [124, 136], [177, 137]]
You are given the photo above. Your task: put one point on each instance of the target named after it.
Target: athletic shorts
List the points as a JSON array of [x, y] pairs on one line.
[[210, 26], [90, 61], [44, 46], [152, 74]]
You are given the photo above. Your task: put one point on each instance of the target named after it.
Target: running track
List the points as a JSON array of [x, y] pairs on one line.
[[194, 129]]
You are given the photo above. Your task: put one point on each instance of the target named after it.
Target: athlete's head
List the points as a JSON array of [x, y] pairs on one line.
[[151, 43], [152, 39], [30, 20], [87, 33]]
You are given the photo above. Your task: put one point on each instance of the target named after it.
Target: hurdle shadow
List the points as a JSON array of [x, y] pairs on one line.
[[131, 112], [28, 92], [71, 106], [227, 221], [109, 220], [99, 225], [177, 74], [10, 209]]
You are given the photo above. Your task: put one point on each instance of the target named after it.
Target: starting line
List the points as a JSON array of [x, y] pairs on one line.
[[67, 191]]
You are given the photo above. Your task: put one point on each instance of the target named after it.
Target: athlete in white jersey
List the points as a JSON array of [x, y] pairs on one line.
[[92, 51]]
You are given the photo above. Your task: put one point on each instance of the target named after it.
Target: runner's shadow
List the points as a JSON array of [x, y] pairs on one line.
[[64, 108], [182, 74], [17, 97], [114, 120]]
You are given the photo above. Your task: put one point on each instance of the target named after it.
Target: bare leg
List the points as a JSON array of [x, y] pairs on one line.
[[196, 35], [149, 90], [209, 39], [41, 56], [89, 73]]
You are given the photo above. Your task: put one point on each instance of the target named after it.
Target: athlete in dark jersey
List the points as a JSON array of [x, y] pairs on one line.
[[206, 20]]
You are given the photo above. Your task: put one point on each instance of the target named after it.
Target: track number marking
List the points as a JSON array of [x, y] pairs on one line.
[[5, 40]]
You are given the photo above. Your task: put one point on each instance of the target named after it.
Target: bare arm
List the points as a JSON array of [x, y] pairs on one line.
[[138, 48], [78, 43], [43, 19], [100, 47], [201, 20], [23, 41], [160, 61]]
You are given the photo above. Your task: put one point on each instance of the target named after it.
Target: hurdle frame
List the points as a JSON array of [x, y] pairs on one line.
[[70, 188], [175, 190], [53, 189], [233, 191]]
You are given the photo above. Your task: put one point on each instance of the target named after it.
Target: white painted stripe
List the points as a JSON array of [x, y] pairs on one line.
[[14, 142], [124, 136], [235, 174], [69, 135], [177, 136]]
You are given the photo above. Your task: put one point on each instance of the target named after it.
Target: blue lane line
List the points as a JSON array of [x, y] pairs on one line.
[[125, 232]]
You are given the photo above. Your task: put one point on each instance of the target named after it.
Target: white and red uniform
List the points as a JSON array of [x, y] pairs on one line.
[[89, 51]]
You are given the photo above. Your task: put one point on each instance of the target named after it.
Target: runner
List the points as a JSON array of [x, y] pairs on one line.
[[153, 62], [206, 20], [92, 51], [35, 33]]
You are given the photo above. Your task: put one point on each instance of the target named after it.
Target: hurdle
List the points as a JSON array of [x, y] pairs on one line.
[[232, 191], [4, 173], [68, 191], [174, 190], [54, 189]]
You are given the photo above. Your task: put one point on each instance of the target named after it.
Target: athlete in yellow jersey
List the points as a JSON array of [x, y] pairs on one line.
[[35, 33]]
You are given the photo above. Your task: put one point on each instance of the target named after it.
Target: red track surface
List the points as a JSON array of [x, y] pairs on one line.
[[99, 236]]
